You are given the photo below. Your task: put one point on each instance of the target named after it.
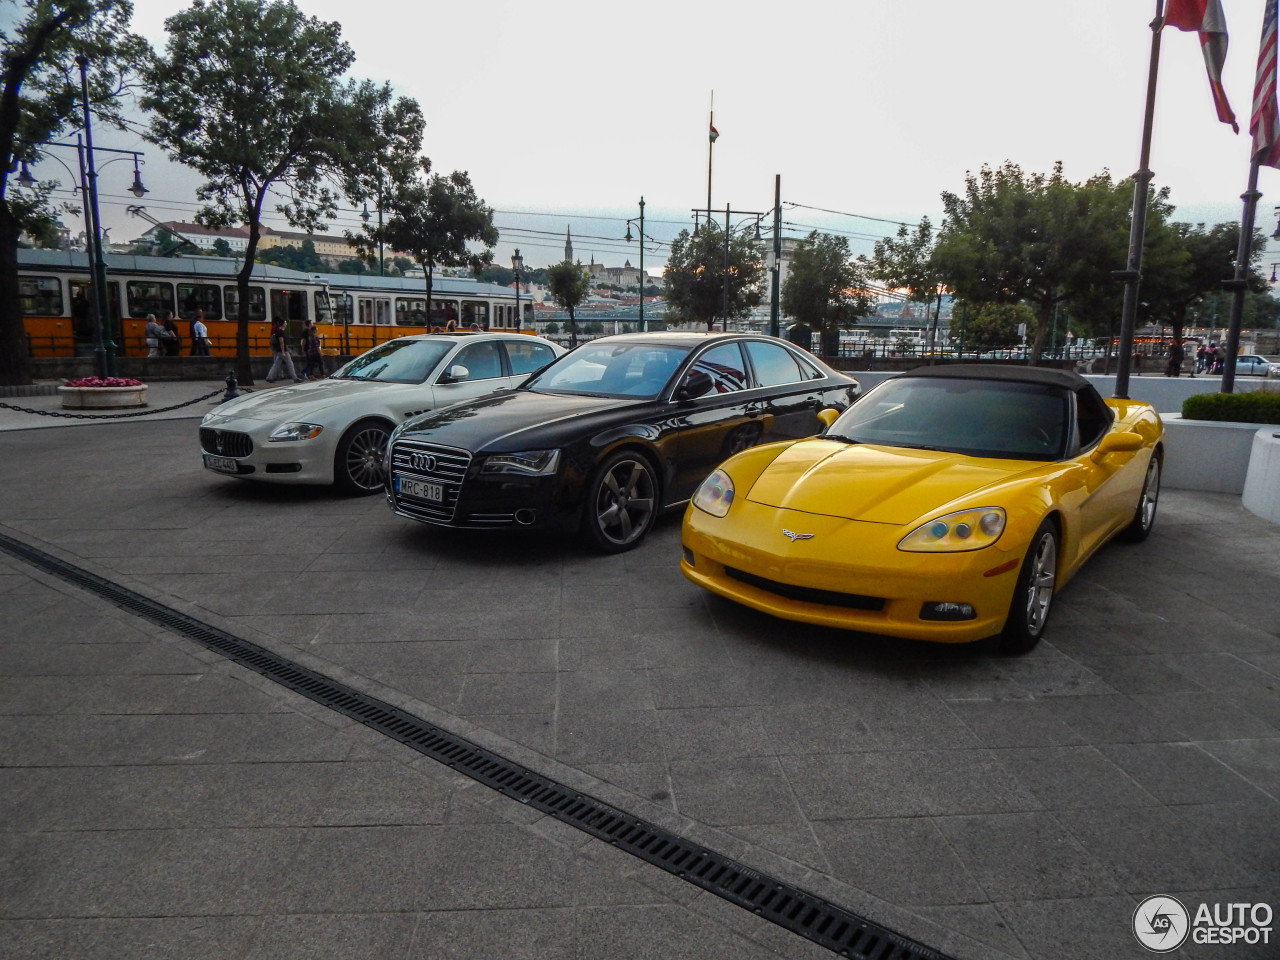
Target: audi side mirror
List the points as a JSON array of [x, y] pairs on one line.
[[695, 385]]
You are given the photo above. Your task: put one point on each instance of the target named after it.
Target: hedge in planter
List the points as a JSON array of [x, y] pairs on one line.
[[1234, 407]]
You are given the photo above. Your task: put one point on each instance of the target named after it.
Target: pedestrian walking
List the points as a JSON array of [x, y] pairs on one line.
[[1219, 357], [281, 361], [199, 336], [169, 337], [151, 333], [1176, 353], [311, 350]]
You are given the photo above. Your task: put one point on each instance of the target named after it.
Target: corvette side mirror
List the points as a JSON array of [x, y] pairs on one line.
[[694, 386], [828, 416], [1118, 443]]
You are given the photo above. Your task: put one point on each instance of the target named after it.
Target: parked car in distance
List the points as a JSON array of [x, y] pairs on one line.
[[334, 431], [1252, 365], [610, 434], [950, 504]]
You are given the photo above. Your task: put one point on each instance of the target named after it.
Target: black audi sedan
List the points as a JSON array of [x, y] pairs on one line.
[[607, 436]]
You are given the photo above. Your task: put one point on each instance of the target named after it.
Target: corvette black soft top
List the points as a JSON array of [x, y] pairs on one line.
[[1007, 372]]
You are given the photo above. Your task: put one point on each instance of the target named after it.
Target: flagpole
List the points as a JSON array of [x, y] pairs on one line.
[[1132, 273], [1239, 283]]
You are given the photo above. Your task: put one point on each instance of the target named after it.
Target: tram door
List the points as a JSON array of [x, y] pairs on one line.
[[376, 311], [291, 307]]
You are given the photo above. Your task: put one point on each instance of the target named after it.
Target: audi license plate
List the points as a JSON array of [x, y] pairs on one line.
[[221, 464], [419, 489]]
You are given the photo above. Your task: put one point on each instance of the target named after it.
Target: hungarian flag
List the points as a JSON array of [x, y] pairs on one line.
[[1264, 124], [1206, 18], [714, 133]]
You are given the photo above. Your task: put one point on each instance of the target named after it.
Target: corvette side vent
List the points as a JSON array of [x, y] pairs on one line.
[[803, 913]]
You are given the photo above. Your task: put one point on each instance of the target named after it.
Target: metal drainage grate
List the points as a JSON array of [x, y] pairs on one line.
[[835, 928]]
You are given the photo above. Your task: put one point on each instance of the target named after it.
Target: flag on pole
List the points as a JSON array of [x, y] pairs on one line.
[[714, 133], [1206, 18], [1264, 123]]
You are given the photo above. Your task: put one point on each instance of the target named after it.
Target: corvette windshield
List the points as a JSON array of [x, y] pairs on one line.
[[397, 361], [978, 418], [637, 370]]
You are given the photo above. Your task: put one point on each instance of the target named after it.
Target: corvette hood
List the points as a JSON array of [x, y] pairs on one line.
[[874, 483], [306, 399]]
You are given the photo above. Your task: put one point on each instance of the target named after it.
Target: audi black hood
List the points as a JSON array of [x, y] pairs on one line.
[[524, 420]]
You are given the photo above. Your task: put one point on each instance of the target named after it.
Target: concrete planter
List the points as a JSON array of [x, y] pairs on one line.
[[103, 398], [1262, 482], [1209, 455]]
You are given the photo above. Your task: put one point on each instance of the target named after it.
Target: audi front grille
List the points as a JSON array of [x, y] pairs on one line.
[[446, 466]]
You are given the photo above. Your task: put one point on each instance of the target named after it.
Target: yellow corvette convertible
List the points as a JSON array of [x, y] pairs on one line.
[[949, 504]]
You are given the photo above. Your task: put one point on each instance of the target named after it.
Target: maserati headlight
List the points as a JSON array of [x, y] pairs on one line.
[[296, 431], [966, 530], [528, 463], [715, 496]]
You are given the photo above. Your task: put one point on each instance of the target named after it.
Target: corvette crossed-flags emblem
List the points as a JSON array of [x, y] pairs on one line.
[[793, 536]]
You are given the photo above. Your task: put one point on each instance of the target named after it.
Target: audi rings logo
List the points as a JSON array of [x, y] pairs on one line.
[[423, 461], [1161, 924]]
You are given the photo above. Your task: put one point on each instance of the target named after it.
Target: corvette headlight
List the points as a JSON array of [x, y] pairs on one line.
[[715, 496], [529, 463], [296, 431], [966, 530]]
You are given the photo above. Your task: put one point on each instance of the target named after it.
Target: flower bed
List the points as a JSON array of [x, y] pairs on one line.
[[103, 393]]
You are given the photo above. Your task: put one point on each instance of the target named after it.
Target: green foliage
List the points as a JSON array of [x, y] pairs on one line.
[[700, 276], [825, 288], [594, 327], [1233, 407], [352, 266], [302, 258], [41, 100], [568, 284], [551, 327], [221, 248], [992, 326], [907, 262], [1037, 238]]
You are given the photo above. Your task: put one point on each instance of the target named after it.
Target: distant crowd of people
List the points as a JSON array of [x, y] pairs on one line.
[[1209, 358]]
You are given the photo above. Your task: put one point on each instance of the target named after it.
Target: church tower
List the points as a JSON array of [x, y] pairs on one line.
[[568, 245]]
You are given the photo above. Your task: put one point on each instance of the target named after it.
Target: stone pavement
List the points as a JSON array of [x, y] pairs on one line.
[[160, 801]]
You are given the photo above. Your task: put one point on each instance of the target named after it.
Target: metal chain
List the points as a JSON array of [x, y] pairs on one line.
[[106, 416]]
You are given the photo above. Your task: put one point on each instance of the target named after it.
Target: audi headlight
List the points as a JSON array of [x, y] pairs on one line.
[[528, 463], [966, 530], [296, 431], [715, 496]]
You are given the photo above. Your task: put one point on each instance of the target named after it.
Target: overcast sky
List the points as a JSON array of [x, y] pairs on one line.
[[564, 110]]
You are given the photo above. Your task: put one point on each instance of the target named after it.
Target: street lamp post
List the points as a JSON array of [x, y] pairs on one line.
[[643, 328], [724, 275], [517, 264]]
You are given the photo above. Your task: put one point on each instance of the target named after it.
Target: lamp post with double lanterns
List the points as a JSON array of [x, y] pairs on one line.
[[517, 264], [104, 346], [747, 216], [640, 219]]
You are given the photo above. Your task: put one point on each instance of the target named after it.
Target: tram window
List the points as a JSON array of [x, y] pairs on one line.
[[442, 311], [148, 296], [257, 303], [325, 307], [475, 312], [411, 312], [40, 296], [202, 296]]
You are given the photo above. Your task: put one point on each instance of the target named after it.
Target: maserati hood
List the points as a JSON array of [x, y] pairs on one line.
[[306, 399], [871, 483]]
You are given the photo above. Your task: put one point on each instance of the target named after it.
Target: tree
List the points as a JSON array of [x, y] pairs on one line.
[[1012, 237], [568, 284], [40, 100], [221, 248], [701, 278], [906, 262], [249, 95], [826, 289], [352, 266], [433, 219], [551, 327], [1200, 260], [303, 258], [992, 326]]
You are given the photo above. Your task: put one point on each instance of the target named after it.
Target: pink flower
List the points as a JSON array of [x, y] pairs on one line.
[[104, 382]]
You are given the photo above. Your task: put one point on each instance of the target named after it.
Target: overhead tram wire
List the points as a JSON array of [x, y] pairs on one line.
[[843, 213]]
